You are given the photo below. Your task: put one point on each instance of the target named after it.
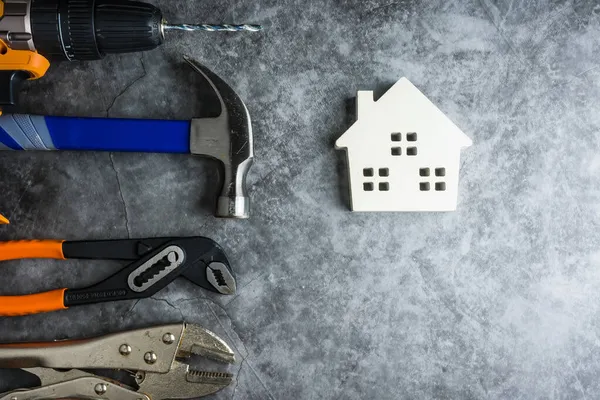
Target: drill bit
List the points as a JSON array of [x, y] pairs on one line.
[[212, 28]]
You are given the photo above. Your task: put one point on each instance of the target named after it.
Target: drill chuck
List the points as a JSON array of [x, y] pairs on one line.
[[90, 29]]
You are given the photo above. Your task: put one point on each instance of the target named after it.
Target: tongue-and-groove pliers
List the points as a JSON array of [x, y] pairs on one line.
[[155, 263]]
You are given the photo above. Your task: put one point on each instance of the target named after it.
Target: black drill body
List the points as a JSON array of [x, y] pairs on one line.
[[90, 29]]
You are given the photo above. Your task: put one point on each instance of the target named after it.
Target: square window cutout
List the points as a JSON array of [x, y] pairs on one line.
[[411, 137], [384, 186], [440, 186], [396, 151], [384, 172], [368, 172], [424, 172], [396, 137], [424, 186], [411, 151], [440, 172], [368, 186]]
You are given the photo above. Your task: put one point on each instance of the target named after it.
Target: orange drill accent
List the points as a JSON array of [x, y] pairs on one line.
[[12, 306], [31, 249], [3, 220], [23, 60]]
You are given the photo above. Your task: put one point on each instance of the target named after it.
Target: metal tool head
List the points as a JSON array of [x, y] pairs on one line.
[[227, 138], [202, 342], [219, 276], [210, 269], [183, 382]]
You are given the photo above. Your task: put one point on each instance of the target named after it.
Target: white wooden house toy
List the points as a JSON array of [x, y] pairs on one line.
[[403, 153]]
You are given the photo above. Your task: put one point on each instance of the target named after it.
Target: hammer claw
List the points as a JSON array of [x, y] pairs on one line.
[[229, 139]]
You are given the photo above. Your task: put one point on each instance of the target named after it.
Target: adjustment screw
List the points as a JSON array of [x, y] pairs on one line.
[[168, 338], [125, 349], [100, 388], [150, 357]]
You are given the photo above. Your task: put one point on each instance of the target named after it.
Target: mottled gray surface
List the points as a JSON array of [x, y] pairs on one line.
[[497, 300]]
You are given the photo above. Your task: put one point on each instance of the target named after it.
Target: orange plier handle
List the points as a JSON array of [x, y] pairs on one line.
[[31, 249], [34, 303]]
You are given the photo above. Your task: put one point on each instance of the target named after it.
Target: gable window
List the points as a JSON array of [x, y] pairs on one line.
[[397, 137]]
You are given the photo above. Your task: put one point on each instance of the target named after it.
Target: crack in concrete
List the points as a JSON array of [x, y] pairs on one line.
[[260, 381], [144, 74], [130, 310], [133, 82], [245, 355], [29, 184], [237, 378], [112, 162], [167, 302], [244, 358]]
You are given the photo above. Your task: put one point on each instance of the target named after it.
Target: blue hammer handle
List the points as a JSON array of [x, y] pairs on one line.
[[35, 132]]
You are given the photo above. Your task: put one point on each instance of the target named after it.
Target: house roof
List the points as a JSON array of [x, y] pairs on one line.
[[404, 96]]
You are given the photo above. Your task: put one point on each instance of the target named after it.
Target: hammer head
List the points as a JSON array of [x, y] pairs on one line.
[[227, 138]]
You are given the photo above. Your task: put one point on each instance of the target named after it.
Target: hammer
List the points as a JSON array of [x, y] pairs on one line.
[[227, 138]]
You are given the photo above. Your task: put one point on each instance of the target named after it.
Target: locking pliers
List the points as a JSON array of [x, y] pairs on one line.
[[153, 356]]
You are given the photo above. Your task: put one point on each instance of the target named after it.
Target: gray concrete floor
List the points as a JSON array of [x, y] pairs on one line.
[[499, 300]]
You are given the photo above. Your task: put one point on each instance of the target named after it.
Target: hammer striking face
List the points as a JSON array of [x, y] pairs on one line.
[[227, 138]]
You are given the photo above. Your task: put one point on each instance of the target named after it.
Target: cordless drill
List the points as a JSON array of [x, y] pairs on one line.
[[32, 32]]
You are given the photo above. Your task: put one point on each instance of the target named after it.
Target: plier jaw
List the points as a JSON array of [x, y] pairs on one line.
[[155, 264], [153, 355]]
